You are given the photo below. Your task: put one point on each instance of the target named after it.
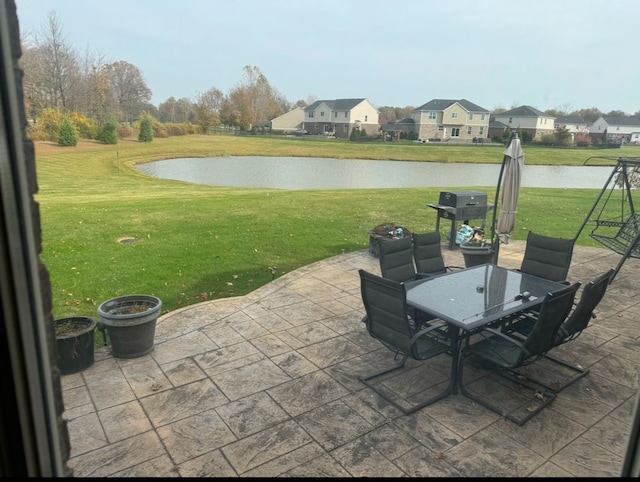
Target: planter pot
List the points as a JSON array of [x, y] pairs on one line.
[[74, 343], [130, 322], [477, 255]]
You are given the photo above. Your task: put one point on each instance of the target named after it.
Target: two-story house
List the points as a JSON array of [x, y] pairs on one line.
[[528, 119], [616, 130], [340, 116], [442, 119]]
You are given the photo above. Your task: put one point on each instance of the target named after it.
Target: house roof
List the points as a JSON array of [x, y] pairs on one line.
[[524, 111], [404, 125], [336, 104], [570, 119], [497, 124], [442, 104], [622, 121]]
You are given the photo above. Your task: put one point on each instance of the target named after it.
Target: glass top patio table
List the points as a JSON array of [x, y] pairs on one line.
[[473, 297]]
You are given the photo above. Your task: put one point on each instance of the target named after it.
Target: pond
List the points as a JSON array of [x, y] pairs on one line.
[[295, 173]]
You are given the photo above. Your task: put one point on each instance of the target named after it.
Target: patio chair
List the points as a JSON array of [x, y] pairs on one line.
[[427, 254], [507, 353], [547, 257], [396, 260], [396, 263], [387, 321], [573, 326]]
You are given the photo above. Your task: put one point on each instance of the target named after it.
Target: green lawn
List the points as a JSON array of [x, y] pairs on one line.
[[203, 242]]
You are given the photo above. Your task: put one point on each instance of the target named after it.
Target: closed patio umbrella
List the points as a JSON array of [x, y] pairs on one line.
[[510, 179]]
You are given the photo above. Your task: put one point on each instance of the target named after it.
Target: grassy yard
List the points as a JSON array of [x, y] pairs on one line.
[[195, 243]]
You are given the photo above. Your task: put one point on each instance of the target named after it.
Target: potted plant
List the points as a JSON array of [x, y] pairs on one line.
[[74, 343], [477, 250], [130, 323]]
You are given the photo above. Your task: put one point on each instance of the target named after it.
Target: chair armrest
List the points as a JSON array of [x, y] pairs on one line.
[[504, 336], [426, 331]]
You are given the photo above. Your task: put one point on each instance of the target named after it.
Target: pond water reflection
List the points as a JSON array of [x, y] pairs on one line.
[[323, 173]]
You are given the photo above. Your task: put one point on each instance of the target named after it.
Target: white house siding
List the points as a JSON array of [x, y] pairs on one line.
[[288, 122], [368, 117], [536, 126]]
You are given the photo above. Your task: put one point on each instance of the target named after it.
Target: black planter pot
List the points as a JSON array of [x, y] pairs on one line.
[[130, 322], [75, 346], [476, 255]]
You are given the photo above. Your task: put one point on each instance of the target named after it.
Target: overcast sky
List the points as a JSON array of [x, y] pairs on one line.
[[568, 54]]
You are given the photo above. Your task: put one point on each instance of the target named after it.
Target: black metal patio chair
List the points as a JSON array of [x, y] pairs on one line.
[[388, 321], [577, 321], [547, 257], [396, 260], [427, 254], [507, 353]]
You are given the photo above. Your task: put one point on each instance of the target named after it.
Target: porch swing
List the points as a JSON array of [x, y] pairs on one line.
[[613, 219]]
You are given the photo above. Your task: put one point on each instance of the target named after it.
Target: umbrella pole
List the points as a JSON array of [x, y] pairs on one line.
[[495, 240]]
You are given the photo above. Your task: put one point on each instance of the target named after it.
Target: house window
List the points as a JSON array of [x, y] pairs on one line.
[[432, 115], [481, 130], [345, 127], [469, 129], [440, 127], [470, 115], [510, 120], [366, 118], [345, 114], [335, 114], [455, 132], [454, 115], [482, 116], [315, 126], [311, 115], [322, 114]]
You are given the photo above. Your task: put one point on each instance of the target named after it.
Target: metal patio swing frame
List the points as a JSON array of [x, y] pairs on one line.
[[617, 227]]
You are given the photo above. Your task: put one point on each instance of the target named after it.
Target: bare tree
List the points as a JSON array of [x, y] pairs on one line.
[[176, 111], [207, 108], [254, 101], [128, 88], [59, 64]]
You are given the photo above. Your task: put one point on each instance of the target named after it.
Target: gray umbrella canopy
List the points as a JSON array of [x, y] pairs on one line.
[[513, 165]]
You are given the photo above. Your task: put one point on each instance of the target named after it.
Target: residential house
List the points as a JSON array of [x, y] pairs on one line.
[[573, 123], [577, 127], [289, 122], [496, 129], [616, 130], [528, 119], [340, 116], [394, 131], [442, 120]]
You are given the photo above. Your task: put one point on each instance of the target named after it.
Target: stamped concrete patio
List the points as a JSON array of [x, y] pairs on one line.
[[266, 385]]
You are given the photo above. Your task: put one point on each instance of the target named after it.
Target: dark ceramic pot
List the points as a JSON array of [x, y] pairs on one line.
[[475, 255], [130, 322], [74, 343]]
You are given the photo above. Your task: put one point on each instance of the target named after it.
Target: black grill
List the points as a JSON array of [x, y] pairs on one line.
[[461, 206]]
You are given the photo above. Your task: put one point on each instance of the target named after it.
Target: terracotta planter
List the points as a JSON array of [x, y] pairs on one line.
[[74, 343], [130, 323]]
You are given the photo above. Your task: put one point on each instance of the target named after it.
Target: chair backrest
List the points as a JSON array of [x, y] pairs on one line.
[[427, 253], [553, 312], [547, 257], [396, 259], [579, 318], [385, 302]]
